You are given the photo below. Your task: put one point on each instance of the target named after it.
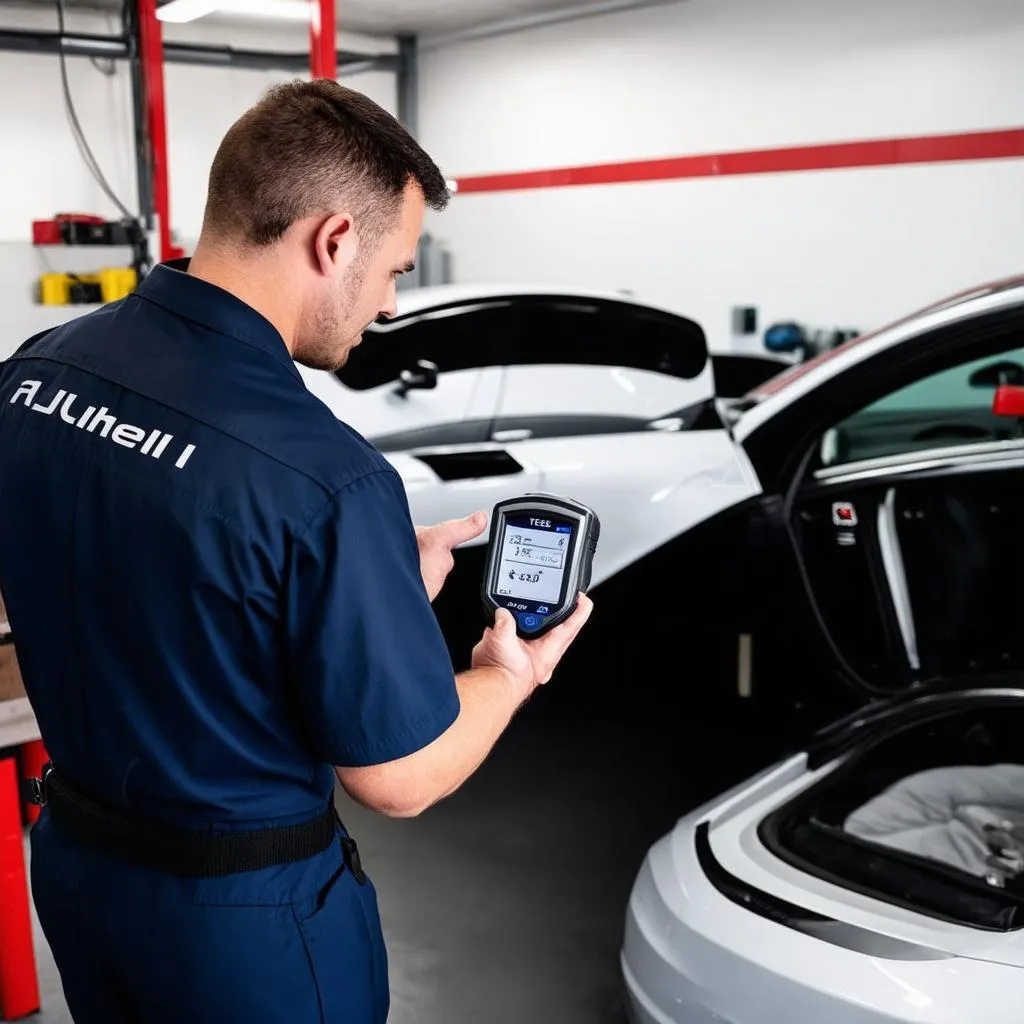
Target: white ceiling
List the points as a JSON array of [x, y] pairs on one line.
[[425, 18], [439, 17], [421, 17]]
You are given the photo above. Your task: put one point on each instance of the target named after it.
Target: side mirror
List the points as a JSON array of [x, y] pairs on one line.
[[1009, 401], [997, 374], [422, 377]]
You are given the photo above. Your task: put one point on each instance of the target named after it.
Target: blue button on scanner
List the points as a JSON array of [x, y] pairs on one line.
[[528, 621]]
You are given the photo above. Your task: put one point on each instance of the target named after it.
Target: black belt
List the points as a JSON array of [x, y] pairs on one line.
[[185, 852]]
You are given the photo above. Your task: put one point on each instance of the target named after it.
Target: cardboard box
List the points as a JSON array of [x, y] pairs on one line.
[[11, 687]]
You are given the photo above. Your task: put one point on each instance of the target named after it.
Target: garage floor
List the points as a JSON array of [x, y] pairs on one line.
[[505, 903]]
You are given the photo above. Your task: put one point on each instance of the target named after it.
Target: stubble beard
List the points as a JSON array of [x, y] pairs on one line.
[[328, 352]]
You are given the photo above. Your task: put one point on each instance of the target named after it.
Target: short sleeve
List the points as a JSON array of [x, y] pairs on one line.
[[368, 662]]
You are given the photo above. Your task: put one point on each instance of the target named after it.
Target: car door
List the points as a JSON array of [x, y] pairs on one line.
[[423, 378], [893, 544], [446, 452], [580, 379], [912, 516]]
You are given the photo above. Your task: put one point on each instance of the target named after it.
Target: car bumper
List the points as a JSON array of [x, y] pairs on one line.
[[691, 956]]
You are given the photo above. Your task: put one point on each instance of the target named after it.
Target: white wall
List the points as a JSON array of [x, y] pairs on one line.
[[847, 247], [42, 173]]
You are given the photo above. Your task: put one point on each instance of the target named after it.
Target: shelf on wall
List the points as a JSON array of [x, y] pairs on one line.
[[81, 245], [84, 306]]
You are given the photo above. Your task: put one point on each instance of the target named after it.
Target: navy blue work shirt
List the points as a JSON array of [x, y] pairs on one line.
[[214, 585]]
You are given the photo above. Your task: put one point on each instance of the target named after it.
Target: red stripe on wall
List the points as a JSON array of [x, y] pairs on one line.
[[931, 149]]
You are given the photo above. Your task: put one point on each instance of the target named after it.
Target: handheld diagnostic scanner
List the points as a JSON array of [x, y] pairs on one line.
[[539, 558]]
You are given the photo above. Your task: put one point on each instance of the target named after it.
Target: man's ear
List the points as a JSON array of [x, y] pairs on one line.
[[335, 244]]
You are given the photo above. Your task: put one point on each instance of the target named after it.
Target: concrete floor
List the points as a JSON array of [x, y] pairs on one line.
[[505, 903]]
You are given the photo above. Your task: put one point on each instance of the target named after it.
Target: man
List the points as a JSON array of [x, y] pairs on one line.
[[221, 604]]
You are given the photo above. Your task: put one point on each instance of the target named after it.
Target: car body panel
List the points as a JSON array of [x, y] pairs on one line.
[[648, 493], [644, 494], [596, 393], [433, 499], [737, 847], [412, 301], [460, 395], [690, 956], [695, 952]]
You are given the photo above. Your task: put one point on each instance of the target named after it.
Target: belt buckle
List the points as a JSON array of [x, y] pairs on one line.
[[350, 853]]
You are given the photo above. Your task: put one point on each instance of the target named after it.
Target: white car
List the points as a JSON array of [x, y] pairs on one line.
[[480, 393], [877, 875]]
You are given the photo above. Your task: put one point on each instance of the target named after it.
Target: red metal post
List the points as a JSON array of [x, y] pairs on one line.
[[33, 758], [19, 985], [323, 54], [151, 44]]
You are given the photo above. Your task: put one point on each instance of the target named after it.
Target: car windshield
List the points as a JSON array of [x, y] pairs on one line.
[[787, 377]]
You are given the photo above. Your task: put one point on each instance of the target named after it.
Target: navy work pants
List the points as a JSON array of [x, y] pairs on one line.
[[296, 944]]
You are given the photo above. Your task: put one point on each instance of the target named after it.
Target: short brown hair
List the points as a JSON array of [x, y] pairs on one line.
[[303, 147]]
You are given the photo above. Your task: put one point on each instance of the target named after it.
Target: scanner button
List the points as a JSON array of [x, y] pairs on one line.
[[529, 621]]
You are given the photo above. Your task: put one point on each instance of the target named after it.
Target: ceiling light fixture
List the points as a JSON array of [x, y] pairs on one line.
[[177, 12], [181, 11], [556, 14]]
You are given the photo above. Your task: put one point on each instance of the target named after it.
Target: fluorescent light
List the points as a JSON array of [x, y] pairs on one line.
[[180, 11], [177, 12], [560, 14], [283, 10]]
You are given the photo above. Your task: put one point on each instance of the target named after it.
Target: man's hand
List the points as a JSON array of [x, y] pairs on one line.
[[436, 544], [528, 663]]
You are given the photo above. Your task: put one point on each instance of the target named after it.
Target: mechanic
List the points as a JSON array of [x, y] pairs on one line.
[[220, 601]]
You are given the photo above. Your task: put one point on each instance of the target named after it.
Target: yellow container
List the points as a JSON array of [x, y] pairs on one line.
[[115, 283], [55, 289]]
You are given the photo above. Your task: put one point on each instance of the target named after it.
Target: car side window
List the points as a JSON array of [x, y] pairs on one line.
[[457, 338], [946, 409], [578, 331]]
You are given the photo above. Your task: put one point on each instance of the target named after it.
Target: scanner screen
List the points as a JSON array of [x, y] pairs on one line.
[[535, 551]]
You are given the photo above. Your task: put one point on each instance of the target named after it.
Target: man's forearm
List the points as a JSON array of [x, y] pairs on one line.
[[488, 702], [404, 788]]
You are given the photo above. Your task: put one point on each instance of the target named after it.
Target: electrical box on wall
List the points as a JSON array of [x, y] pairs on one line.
[[744, 320], [433, 265]]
